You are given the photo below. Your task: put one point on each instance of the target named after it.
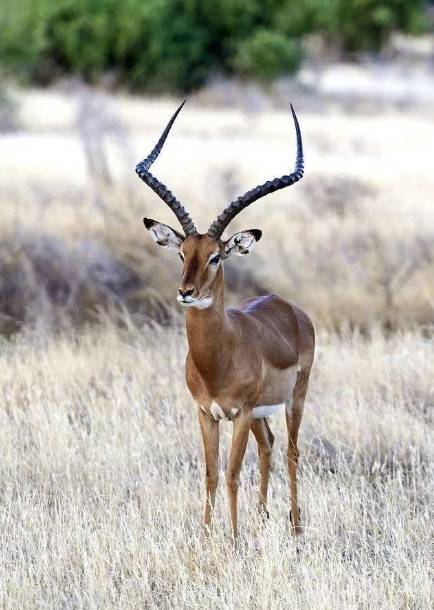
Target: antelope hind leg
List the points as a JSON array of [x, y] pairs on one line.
[[265, 440]]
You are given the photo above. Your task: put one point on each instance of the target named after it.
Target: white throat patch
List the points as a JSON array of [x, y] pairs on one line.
[[202, 303]]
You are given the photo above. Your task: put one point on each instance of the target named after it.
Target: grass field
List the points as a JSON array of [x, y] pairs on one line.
[[102, 481], [101, 471]]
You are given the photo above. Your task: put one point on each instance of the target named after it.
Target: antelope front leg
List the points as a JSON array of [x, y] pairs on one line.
[[238, 448], [210, 437]]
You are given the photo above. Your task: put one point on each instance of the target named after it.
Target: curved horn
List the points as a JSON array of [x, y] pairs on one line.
[[235, 207], [158, 187]]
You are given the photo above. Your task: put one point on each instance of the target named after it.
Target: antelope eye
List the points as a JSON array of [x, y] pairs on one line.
[[215, 259], [181, 257]]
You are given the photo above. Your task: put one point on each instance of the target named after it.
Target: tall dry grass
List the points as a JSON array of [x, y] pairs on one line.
[[102, 480], [101, 469]]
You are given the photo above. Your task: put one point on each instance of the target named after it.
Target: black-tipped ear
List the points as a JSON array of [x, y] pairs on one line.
[[242, 243], [257, 233], [148, 222], [163, 235]]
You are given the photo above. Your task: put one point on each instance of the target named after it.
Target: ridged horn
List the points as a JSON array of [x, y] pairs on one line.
[[142, 170], [235, 207]]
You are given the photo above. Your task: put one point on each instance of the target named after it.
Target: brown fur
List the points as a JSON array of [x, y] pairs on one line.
[[240, 358]]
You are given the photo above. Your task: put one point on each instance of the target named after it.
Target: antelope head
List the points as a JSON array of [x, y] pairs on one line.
[[203, 254]]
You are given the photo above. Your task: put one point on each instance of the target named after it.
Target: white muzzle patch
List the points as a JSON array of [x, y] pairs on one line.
[[201, 303]]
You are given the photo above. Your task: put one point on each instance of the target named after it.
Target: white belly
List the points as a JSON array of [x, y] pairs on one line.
[[218, 413], [264, 411], [267, 410]]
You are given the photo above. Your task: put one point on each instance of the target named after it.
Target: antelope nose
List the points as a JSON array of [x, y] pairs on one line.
[[185, 293]]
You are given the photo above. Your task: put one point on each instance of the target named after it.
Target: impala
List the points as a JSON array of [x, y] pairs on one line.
[[243, 363]]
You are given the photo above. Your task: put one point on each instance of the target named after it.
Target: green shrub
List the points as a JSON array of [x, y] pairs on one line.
[[22, 36], [366, 24], [266, 54], [176, 44]]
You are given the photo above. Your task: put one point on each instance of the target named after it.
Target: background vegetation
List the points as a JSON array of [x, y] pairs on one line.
[[353, 243], [176, 45]]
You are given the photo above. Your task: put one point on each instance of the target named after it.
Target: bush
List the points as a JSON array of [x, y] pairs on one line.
[[176, 44], [23, 36], [266, 54], [366, 24]]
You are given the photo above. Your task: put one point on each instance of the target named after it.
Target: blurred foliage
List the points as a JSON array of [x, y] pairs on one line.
[[176, 44], [266, 54]]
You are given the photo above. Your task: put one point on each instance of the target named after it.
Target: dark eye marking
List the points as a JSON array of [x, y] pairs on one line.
[[215, 259], [181, 256]]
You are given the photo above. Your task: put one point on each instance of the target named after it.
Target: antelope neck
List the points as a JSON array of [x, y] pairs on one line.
[[208, 333]]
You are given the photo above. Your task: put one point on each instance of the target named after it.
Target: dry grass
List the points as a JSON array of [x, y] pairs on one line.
[[101, 470], [101, 479]]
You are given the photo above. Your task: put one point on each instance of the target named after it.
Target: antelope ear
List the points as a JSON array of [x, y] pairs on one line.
[[163, 235], [241, 243]]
